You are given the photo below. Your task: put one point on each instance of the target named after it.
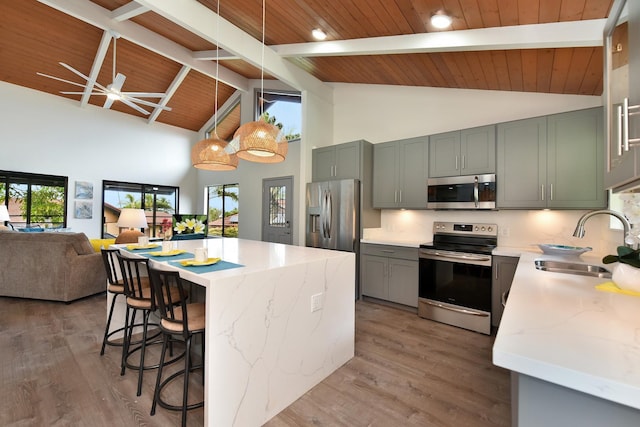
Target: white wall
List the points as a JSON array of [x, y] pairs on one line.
[[43, 133], [380, 113]]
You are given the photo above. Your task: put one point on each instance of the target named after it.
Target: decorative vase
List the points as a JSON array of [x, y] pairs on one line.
[[626, 277]]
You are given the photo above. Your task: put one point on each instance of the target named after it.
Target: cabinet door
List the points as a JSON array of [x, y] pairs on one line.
[[323, 162], [413, 173], [478, 150], [373, 276], [347, 161], [385, 187], [521, 164], [575, 157], [444, 154], [403, 282], [504, 268]]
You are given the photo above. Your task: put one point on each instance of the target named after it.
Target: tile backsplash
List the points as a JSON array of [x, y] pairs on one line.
[[516, 228]]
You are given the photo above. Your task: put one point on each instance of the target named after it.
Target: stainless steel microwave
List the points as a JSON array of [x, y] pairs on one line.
[[462, 192]]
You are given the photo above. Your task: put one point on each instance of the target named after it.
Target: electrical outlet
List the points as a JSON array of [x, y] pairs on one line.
[[316, 302], [504, 231]]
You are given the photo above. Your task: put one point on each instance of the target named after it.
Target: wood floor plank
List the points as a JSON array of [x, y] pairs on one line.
[[406, 371]]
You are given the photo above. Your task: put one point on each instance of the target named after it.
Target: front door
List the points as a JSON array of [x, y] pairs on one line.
[[277, 210]]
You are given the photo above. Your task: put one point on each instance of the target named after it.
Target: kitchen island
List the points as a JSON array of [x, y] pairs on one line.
[[265, 347], [574, 351]]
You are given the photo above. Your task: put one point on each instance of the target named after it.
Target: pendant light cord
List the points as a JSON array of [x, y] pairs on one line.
[[215, 113], [262, 62], [113, 73]]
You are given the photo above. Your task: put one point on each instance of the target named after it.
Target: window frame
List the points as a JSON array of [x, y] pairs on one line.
[[282, 94], [210, 221]]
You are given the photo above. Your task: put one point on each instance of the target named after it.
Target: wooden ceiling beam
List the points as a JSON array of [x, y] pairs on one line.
[[204, 22], [100, 17], [177, 80], [535, 36]]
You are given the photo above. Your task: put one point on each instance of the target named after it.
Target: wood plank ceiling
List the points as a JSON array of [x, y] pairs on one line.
[[34, 37]]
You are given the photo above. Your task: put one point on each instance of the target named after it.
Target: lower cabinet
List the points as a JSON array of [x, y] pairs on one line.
[[504, 268], [389, 273]]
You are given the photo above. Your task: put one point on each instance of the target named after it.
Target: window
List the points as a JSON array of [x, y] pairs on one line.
[[159, 203], [283, 109], [34, 200], [222, 210]]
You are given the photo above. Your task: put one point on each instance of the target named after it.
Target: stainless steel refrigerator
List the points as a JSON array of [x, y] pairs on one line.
[[333, 218], [333, 215]]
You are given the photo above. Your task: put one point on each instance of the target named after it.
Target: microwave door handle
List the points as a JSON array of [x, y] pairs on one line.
[[475, 191]]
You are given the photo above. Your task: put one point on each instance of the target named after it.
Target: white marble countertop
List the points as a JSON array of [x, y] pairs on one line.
[[558, 328]]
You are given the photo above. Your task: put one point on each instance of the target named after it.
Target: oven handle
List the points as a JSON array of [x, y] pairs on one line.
[[457, 310], [450, 255]]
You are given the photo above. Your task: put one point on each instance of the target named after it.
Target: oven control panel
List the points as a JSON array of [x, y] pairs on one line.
[[468, 229]]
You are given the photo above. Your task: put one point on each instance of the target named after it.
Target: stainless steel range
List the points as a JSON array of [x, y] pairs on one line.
[[455, 275]]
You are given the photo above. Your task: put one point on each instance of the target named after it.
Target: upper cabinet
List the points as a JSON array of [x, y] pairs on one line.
[[622, 95], [552, 162], [400, 174], [465, 152], [342, 161]]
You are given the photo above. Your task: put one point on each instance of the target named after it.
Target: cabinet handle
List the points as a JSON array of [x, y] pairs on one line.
[[335, 170], [456, 162], [625, 123], [464, 162], [550, 191], [388, 251], [400, 192], [395, 196], [503, 299], [542, 191], [619, 117]]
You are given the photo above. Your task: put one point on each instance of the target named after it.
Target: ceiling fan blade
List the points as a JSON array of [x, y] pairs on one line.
[[145, 94], [147, 103], [74, 71], [118, 82], [82, 93], [107, 102], [134, 106], [61, 80]]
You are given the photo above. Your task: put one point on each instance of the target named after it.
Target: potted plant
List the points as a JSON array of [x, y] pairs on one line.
[[626, 275]]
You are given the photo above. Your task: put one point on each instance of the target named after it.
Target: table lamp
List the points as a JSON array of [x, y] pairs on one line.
[[131, 218], [4, 216]]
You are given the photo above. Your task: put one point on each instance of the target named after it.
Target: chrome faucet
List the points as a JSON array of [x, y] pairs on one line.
[[579, 231]]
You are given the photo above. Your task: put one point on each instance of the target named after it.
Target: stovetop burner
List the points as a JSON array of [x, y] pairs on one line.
[[464, 237]]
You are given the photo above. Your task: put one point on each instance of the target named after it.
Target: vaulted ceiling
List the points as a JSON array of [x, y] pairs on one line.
[[169, 47]]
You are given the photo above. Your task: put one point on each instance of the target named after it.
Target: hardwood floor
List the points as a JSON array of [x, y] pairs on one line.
[[407, 371]]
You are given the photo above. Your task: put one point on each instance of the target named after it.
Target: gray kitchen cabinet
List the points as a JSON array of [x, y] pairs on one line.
[[400, 174], [622, 80], [390, 273], [465, 152], [342, 161], [551, 162], [504, 268]]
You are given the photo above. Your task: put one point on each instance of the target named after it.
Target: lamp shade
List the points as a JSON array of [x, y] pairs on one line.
[[214, 154], [261, 142], [4, 214], [132, 218]]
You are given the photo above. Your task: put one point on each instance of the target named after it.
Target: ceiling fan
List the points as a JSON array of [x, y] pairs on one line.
[[112, 91]]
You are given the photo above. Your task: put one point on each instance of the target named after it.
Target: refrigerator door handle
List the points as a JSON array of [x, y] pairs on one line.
[[328, 214]]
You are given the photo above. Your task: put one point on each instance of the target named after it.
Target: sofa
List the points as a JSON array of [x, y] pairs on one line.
[[49, 266]]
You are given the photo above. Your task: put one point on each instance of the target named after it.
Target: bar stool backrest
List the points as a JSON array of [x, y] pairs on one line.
[[111, 265], [172, 305], [135, 282]]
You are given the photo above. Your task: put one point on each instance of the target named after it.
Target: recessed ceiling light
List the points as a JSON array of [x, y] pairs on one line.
[[318, 34], [440, 20]]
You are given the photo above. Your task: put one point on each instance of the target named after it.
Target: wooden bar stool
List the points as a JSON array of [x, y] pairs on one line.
[[179, 320]]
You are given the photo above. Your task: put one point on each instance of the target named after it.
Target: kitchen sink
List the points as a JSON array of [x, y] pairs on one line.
[[572, 268]]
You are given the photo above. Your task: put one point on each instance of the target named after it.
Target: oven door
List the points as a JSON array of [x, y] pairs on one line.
[[455, 288]]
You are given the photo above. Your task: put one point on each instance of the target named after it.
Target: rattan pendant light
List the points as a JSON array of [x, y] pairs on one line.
[[214, 153], [259, 141]]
